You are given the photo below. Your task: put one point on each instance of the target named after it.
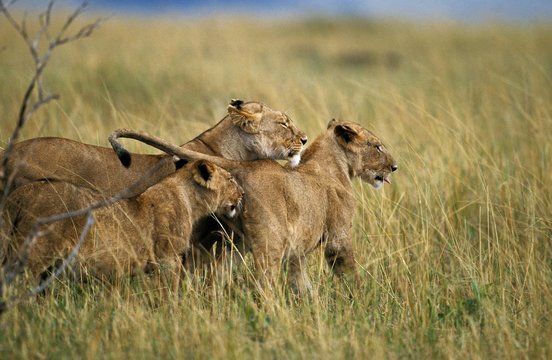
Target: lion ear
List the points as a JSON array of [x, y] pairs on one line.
[[331, 123], [248, 122], [345, 135], [236, 103], [203, 172]]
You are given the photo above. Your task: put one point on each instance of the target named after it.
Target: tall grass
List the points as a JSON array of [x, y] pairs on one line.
[[455, 255]]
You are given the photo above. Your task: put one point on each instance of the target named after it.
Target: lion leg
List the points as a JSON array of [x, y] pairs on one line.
[[229, 257], [170, 275], [297, 275], [268, 259], [339, 256]]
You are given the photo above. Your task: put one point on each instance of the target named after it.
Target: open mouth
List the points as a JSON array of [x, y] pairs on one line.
[[383, 178]]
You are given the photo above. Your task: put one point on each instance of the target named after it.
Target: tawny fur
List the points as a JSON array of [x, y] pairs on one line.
[[152, 229], [288, 212], [250, 131]]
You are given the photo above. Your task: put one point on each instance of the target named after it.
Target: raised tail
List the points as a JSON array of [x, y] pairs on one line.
[[122, 153], [182, 153]]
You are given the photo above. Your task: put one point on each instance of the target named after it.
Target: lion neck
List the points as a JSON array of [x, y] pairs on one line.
[[223, 140], [327, 156]]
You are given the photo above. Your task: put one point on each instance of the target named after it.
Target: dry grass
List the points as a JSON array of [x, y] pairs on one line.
[[456, 255]]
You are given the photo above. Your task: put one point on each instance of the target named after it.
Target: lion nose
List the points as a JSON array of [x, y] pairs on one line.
[[394, 167], [304, 140]]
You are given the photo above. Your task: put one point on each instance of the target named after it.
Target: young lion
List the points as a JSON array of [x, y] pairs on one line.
[[251, 130], [289, 212], [134, 234]]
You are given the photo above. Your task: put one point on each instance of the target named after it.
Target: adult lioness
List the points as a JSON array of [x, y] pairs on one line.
[[131, 235], [250, 131], [288, 212]]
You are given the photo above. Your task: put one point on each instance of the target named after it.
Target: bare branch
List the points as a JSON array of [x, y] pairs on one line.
[[11, 272], [39, 104], [11, 20], [27, 109], [15, 135], [84, 32], [44, 21], [4, 196], [72, 17], [68, 260], [34, 234], [23, 26], [44, 18]]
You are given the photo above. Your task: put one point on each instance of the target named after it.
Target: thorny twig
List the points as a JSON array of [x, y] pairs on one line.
[[40, 61], [68, 260], [19, 266], [27, 109]]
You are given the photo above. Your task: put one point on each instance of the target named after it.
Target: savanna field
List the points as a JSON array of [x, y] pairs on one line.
[[455, 256]]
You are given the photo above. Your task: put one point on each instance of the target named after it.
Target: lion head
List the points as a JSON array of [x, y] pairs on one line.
[[218, 183], [367, 157], [268, 132]]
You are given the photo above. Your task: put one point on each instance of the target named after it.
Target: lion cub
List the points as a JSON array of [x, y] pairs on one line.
[[152, 229]]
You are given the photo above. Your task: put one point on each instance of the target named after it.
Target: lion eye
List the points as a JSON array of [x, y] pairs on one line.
[[379, 148], [284, 124]]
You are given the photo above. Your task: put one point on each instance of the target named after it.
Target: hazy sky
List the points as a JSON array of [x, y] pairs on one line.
[[466, 10], [463, 10]]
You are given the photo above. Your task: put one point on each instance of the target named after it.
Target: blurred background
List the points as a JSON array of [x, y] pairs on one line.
[[461, 10], [455, 255], [456, 10]]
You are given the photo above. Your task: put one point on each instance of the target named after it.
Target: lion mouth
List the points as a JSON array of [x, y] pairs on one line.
[[294, 158], [383, 178]]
